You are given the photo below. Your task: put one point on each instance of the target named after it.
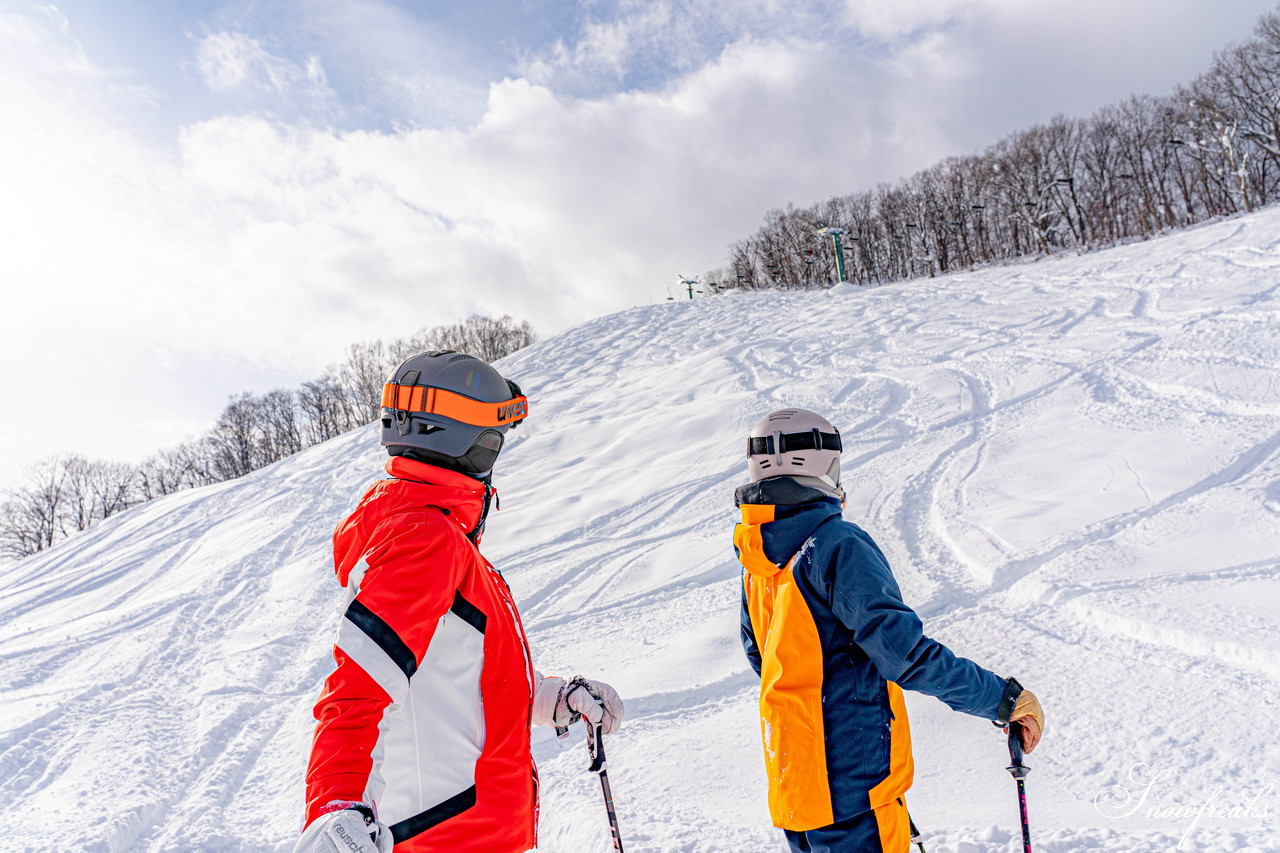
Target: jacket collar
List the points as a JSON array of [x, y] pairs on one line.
[[413, 485], [778, 517], [464, 498]]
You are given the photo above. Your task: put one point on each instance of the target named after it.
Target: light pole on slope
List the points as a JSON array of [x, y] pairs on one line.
[[836, 234]]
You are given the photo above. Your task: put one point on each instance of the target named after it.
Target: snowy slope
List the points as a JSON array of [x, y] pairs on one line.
[[1072, 465]]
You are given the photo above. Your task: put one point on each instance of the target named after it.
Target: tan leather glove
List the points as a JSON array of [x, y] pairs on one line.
[[1028, 714]]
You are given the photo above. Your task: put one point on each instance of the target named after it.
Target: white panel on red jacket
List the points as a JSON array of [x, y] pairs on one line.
[[431, 743]]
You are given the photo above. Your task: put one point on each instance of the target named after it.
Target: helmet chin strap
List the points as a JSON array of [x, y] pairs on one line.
[[478, 531], [822, 483], [832, 479]]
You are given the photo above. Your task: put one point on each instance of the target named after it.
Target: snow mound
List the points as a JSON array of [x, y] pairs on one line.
[[1072, 465]]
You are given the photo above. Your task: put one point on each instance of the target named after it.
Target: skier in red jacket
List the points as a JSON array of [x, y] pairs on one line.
[[422, 734]]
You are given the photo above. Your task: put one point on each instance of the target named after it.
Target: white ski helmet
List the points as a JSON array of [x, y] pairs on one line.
[[795, 443]]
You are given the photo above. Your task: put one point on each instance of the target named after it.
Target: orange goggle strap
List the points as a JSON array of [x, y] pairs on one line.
[[416, 399]]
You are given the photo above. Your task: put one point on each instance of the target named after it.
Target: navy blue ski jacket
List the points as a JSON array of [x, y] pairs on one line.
[[825, 627]]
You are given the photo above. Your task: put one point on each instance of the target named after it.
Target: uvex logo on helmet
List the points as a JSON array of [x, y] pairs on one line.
[[513, 411]]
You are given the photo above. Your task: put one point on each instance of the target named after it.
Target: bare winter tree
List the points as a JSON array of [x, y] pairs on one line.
[[1130, 171], [186, 466], [325, 409], [234, 440], [19, 528], [279, 426], [68, 494], [34, 516], [490, 338], [94, 490], [362, 376]]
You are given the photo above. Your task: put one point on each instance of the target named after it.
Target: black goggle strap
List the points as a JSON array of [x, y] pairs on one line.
[[791, 441]]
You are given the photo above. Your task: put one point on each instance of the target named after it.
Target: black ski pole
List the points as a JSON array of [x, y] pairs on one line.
[[595, 747], [915, 835], [1019, 772]]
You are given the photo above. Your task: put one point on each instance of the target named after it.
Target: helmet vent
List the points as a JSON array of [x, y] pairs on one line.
[[410, 377], [386, 423], [798, 460], [425, 428], [461, 358]]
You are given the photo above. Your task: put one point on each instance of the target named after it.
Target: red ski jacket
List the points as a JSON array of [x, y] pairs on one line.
[[427, 713]]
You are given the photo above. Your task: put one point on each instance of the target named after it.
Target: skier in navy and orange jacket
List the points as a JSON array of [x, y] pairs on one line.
[[422, 729], [826, 629]]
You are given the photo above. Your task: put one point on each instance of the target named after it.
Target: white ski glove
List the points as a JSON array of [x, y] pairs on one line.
[[348, 830], [561, 703]]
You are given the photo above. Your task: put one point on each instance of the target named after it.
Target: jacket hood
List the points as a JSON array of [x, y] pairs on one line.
[[413, 486], [778, 516]]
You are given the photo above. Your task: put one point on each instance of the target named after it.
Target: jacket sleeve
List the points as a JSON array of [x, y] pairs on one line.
[[749, 644], [865, 597], [546, 695], [383, 634]]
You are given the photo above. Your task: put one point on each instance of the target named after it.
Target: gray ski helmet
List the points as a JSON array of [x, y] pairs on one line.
[[449, 409], [795, 443]]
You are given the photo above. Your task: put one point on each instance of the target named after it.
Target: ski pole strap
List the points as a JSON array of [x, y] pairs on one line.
[[562, 697], [1009, 701], [566, 690]]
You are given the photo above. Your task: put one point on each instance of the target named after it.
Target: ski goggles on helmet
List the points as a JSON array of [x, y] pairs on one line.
[[417, 399], [792, 441]]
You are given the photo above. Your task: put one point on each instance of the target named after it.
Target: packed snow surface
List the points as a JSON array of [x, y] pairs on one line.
[[1073, 466]]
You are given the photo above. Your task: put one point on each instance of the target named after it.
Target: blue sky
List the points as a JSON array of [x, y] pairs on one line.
[[203, 198]]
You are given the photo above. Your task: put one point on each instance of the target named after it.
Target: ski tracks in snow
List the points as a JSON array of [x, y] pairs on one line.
[[1073, 466], [1032, 446]]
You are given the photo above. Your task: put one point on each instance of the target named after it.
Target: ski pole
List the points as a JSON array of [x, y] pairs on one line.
[[1019, 772], [595, 748], [915, 835]]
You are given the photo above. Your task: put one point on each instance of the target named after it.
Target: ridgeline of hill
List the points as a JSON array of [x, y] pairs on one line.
[[1073, 466]]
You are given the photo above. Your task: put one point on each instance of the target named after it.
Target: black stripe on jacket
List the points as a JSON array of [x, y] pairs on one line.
[[434, 816], [384, 635]]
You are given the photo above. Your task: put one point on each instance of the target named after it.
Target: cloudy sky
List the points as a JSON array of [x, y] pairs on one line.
[[207, 197]]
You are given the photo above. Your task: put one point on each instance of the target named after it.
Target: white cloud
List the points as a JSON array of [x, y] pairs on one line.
[[905, 17], [398, 64], [254, 249], [606, 48], [228, 62]]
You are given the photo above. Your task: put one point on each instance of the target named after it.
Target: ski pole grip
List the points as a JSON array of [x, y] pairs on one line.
[[595, 747], [1016, 767]]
